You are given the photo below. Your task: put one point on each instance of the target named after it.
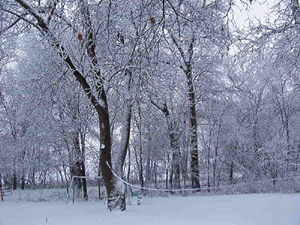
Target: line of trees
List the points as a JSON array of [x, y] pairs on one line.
[[162, 90]]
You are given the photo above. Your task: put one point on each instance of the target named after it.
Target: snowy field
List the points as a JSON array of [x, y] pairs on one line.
[[254, 209]]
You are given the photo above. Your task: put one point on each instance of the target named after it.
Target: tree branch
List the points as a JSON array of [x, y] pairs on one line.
[[41, 22], [99, 106], [21, 17], [10, 26], [178, 47]]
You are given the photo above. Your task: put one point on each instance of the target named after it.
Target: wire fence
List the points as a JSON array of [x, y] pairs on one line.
[[181, 190]]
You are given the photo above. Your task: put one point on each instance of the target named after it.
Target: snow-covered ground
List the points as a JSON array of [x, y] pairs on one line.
[[254, 209]]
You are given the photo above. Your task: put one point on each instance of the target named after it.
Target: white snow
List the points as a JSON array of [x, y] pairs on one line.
[[254, 209]]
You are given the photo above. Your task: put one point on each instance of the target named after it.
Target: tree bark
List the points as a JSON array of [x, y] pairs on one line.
[[193, 124]]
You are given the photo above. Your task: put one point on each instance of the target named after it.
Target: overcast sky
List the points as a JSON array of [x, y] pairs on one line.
[[255, 11]]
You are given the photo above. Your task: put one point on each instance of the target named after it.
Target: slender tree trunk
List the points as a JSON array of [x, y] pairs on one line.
[[33, 179], [129, 165], [99, 182], [22, 182], [187, 58], [171, 177], [167, 177], [155, 174], [139, 163], [174, 142], [61, 177], [141, 174], [14, 180], [124, 141], [140, 156], [176, 162], [148, 160], [185, 168], [208, 169], [194, 132], [215, 166], [125, 138], [78, 164], [231, 172]]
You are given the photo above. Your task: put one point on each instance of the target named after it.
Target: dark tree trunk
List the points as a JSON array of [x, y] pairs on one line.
[[129, 165], [105, 161], [231, 172], [22, 182], [78, 166], [171, 177], [194, 133], [155, 174], [141, 174], [167, 178], [14, 180], [139, 157]]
